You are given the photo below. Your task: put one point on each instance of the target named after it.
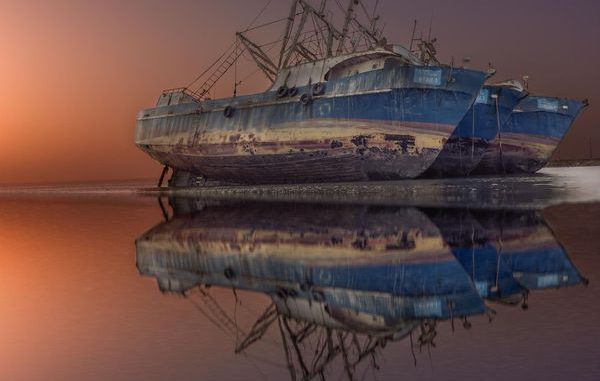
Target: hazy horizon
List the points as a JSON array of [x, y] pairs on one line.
[[75, 73]]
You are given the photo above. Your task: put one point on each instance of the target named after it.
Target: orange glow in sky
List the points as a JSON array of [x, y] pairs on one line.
[[74, 74]]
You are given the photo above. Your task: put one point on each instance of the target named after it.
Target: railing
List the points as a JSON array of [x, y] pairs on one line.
[[183, 90]]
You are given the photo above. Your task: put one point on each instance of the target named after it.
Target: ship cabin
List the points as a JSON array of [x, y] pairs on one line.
[[290, 79]]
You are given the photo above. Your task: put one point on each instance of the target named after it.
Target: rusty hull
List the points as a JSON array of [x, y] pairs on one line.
[[325, 150], [517, 153], [384, 124]]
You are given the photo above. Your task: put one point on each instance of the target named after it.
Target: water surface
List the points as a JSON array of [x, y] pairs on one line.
[[108, 285]]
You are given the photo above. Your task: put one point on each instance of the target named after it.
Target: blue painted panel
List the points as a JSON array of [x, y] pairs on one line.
[[483, 96], [547, 104], [426, 76]]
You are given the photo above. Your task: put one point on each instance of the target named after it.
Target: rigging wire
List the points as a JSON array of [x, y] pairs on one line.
[[268, 24], [259, 14], [313, 44], [234, 44], [212, 65]]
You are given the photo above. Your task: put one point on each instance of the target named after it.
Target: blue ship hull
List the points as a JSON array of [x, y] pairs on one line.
[[465, 148], [531, 135], [383, 124]]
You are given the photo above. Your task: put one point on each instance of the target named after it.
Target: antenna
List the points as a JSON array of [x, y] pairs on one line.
[[430, 26], [412, 38]]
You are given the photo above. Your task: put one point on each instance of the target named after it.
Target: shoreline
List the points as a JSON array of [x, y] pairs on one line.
[[574, 163]]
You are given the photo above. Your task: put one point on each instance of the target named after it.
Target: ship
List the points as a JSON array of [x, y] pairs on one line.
[[481, 125], [533, 132], [506, 253], [336, 110], [362, 268], [341, 281]]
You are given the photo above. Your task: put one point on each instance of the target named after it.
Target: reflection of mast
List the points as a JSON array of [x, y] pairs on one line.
[[331, 343], [259, 328], [304, 362]]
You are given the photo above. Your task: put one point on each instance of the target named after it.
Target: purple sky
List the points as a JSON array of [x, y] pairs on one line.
[[74, 74]]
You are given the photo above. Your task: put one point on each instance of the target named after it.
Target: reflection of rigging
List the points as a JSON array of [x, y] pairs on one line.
[[330, 344], [308, 347], [259, 328], [214, 313]]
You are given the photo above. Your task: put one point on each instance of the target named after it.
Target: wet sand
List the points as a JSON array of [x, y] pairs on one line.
[[552, 186]]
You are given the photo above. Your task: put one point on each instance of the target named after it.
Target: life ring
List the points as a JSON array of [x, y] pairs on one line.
[[293, 91], [228, 112], [282, 91], [305, 99], [318, 88]]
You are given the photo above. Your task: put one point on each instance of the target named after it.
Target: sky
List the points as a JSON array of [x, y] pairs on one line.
[[75, 73]]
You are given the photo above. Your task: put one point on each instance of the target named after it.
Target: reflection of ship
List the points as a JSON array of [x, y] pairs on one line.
[[364, 266], [506, 253], [527, 246], [344, 280]]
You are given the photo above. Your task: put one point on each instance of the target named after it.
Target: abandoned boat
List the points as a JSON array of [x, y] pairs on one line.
[[482, 123], [331, 114], [527, 141]]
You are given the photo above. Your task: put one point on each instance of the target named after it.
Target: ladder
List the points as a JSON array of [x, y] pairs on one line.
[[223, 65]]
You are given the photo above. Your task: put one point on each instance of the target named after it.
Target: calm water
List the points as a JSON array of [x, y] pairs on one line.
[[467, 279]]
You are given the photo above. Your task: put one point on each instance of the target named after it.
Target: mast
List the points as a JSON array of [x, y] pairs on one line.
[[349, 16], [294, 45], [291, 39], [368, 33], [321, 17], [288, 30], [298, 44], [261, 59]]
